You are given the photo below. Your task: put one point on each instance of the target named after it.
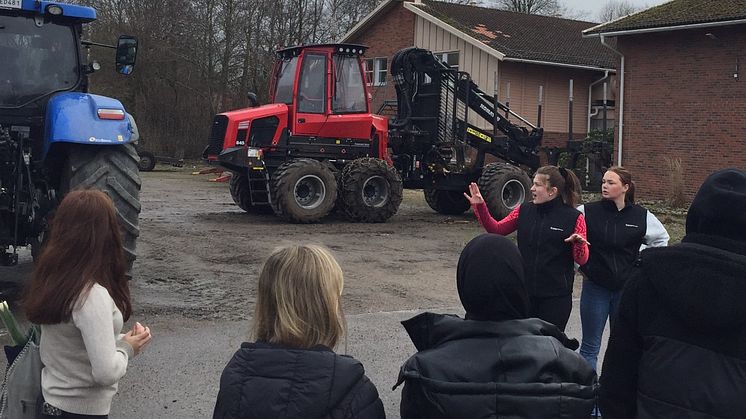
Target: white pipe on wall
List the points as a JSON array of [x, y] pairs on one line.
[[621, 100]]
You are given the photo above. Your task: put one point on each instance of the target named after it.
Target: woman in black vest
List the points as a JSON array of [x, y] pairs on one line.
[[617, 227], [551, 236]]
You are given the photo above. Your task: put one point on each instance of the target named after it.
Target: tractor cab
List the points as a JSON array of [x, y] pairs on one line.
[[324, 88], [318, 95]]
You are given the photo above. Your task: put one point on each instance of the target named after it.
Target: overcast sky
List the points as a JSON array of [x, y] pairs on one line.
[[588, 9]]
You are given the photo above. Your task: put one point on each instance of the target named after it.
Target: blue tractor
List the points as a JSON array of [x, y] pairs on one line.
[[54, 135]]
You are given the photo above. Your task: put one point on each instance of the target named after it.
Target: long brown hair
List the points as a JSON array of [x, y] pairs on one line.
[[84, 247], [298, 298], [626, 178], [565, 181]]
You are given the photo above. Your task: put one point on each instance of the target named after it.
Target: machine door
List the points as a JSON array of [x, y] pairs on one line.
[[311, 98], [350, 117]]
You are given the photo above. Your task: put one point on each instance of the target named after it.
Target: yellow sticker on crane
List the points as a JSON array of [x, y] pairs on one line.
[[478, 134]]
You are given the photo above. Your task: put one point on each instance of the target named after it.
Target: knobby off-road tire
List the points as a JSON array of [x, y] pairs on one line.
[[370, 190], [241, 194], [303, 191], [504, 187], [114, 170], [147, 161], [446, 202]]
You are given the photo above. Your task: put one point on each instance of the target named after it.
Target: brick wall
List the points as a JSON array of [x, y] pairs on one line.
[[682, 101], [391, 32]]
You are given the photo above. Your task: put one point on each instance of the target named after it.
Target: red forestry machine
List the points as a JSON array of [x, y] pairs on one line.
[[318, 145]]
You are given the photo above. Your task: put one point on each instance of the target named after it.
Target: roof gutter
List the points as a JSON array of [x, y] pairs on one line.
[[590, 92], [621, 99], [665, 28], [580, 66]]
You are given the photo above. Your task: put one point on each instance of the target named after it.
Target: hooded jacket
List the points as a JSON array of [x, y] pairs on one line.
[[270, 381], [495, 363], [678, 347], [482, 369]]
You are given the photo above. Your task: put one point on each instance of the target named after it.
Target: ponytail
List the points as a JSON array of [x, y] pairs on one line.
[[565, 181]]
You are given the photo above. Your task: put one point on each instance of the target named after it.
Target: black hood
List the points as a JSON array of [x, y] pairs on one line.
[[698, 279]]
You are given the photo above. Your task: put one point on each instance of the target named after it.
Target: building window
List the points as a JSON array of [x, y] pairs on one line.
[[450, 58], [375, 71]]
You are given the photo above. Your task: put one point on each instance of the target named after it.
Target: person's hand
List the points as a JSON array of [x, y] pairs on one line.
[[139, 340], [474, 196], [576, 238]]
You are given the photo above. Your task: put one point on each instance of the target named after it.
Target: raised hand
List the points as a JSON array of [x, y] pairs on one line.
[[576, 238], [474, 196]]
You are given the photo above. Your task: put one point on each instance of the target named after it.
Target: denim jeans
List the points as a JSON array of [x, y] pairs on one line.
[[596, 305]]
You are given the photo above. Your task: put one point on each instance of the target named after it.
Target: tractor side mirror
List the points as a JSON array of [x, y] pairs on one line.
[[126, 54]]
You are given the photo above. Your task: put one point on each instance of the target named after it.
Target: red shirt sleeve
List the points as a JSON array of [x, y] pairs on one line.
[[580, 251], [503, 227]]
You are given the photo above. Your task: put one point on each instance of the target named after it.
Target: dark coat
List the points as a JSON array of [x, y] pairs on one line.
[[678, 345], [481, 369], [270, 381]]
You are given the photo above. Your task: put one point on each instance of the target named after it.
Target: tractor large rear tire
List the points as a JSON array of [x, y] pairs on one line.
[[370, 190], [114, 170], [446, 202], [504, 187], [241, 194], [303, 191]]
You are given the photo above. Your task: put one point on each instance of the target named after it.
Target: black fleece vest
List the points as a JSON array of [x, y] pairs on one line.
[[615, 237], [547, 259]]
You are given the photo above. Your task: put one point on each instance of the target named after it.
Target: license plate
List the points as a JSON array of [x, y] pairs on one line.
[[252, 152], [10, 4]]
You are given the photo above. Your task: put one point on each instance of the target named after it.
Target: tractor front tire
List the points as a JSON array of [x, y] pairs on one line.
[[504, 187], [241, 194], [114, 170], [446, 202], [303, 191], [370, 190], [147, 161]]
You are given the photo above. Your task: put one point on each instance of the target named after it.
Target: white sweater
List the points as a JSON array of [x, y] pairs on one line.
[[85, 358]]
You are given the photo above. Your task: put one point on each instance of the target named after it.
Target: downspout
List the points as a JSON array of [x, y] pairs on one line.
[[591, 112], [621, 99]]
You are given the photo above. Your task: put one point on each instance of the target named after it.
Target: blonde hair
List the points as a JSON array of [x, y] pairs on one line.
[[298, 298]]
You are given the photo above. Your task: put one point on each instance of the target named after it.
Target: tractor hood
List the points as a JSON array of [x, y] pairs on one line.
[[86, 119]]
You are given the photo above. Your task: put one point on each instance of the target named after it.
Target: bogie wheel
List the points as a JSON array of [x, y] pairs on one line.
[[446, 202], [303, 191], [147, 161], [114, 170], [504, 187], [241, 194], [370, 190]]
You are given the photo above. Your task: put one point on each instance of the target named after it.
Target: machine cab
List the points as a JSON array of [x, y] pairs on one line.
[[324, 89]]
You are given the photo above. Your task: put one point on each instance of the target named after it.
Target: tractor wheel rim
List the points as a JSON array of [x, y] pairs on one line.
[[513, 193], [309, 192], [375, 191]]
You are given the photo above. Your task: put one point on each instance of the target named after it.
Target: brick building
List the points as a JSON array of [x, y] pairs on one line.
[[515, 55], [683, 91]]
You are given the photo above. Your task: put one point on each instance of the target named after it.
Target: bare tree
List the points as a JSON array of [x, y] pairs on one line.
[[532, 7], [614, 9]]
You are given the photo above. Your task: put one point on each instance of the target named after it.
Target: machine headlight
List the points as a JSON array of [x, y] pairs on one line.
[[54, 10]]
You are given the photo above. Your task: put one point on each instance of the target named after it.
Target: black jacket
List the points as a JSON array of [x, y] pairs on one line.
[[270, 381], [615, 238], [548, 262], [480, 369], [678, 345]]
